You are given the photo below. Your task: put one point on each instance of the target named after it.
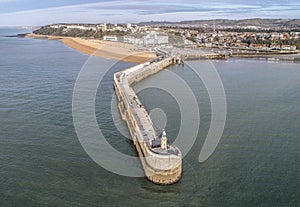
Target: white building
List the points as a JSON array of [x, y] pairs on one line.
[[133, 40], [288, 47], [153, 38], [110, 38], [56, 26], [74, 26]]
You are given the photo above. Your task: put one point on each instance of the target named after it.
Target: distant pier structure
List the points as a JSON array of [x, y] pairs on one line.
[[185, 54], [162, 162]]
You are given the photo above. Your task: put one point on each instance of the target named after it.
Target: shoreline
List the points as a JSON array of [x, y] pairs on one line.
[[129, 53], [100, 48]]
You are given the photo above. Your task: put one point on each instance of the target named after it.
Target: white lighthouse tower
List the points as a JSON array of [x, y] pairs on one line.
[[164, 140]]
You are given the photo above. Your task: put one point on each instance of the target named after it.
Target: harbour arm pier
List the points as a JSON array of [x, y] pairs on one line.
[[162, 162]]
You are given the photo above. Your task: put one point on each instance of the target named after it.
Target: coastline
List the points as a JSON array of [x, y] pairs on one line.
[[100, 48], [129, 53]]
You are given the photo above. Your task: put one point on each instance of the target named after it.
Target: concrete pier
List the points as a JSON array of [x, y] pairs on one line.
[[208, 56], [162, 162]]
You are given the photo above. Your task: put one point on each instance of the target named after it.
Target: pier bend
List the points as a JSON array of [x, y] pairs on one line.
[[162, 162]]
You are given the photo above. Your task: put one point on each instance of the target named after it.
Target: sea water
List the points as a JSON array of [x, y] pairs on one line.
[[42, 162]]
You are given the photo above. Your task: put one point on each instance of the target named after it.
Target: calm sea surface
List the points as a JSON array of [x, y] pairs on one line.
[[42, 163]]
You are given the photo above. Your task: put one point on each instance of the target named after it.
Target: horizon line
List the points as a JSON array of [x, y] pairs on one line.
[[159, 21]]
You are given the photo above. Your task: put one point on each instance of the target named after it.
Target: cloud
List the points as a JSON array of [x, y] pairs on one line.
[[135, 11]]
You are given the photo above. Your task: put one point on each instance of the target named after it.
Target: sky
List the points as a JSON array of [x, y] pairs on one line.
[[42, 12]]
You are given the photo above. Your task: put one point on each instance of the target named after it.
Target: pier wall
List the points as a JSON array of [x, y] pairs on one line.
[[212, 56], [160, 168]]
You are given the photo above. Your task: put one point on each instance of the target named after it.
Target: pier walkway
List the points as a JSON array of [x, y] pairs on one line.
[[162, 162]]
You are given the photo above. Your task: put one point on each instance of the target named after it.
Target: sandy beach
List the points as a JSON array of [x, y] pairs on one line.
[[104, 49]]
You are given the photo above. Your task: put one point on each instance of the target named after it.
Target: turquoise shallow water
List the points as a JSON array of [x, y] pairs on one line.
[[43, 164]]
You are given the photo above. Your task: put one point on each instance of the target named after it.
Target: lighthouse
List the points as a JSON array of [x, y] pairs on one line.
[[164, 140]]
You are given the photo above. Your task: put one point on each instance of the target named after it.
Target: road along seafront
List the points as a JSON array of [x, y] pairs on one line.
[[162, 162]]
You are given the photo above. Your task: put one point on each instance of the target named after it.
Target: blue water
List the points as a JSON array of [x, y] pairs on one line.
[[43, 164]]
